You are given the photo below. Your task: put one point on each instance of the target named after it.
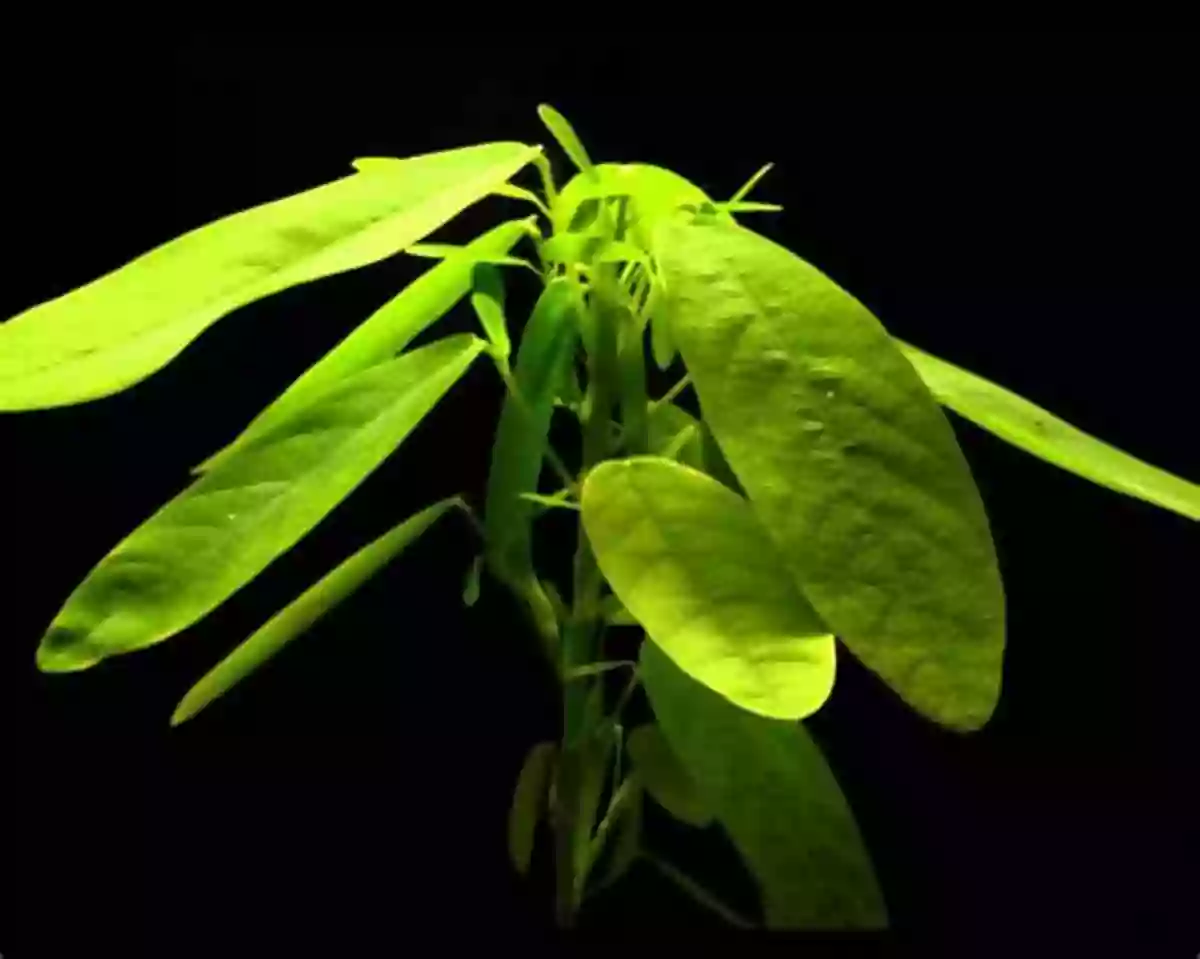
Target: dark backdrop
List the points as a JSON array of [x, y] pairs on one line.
[[1027, 208]]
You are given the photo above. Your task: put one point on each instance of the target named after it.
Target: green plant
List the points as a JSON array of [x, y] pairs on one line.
[[820, 493]]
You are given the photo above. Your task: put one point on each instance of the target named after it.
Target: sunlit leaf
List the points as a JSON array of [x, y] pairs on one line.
[[224, 529], [665, 778], [1047, 437], [848, 461], [693, 564], [767, 783], [564, 133], [529, 801], [108, 334], [305, 610], [384, 333], [487, 299]]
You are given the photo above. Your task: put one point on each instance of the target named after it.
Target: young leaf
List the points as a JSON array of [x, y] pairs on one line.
[[529, 801], [691, 561], [660, 771], [302, 612], [549, 502], [767, 783], [1049, 438], [751, 183], [564, 133], [383, 334], [487, 299], [631, 363], [223, 530], [547, 347], [627, 840], [115, 331], [847, 460], [470, 595]]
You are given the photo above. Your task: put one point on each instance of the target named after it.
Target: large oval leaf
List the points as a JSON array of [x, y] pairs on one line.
[[306, 609], [848, 461], [769, 786], [225, 528], [111, 333], [665, 778], [692, 563], [1049, 438], [385, 332]]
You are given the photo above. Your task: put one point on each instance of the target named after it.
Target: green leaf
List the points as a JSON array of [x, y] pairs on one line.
[[615, 613], [564, 133], [547, 347], [676, 434], [487, 299], [662, 347], [627, 840], [743, 207], [631, 364], [529, 801], [383, 334], [664, 777], [557, 501], [115, 331], [595, 669], [1049, 438], [847, 460], [769, 786], [470, 595], [691, 561], [224, 529], [302, 612], [751, 183]]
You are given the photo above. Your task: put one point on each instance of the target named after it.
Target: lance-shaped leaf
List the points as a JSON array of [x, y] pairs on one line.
[[769, 786], [305, 610], [693, 564], [528, 803], [224, 529], [1047, 437], [848, 461], [664, 777], [564, 133], [384, 333], [487, 299], [543, 358], [109, 334]]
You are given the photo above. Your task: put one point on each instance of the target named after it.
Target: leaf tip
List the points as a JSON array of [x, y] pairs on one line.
[[65, 651]]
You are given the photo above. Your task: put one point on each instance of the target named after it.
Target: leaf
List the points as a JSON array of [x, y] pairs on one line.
[[692, 563], [676, 434], [615, 613], [470, 595], [115, 331], [847, 460], [626, 842], [1049, 438], [595, 669], [487, 299], [751, 183], [660, 771], [769, 786], [743, 207], [546, 348], [662, 347], [549, 502], [305, 610], [564, 133], [631, 365], [383, 334], [224, 529], [529, 801]]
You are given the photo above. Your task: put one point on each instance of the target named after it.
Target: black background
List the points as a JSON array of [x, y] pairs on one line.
[[1025, 207]]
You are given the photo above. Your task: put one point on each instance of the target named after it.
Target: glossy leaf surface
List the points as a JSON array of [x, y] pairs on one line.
[[114, 331], [224, 529], [848, 461], [692, 563]]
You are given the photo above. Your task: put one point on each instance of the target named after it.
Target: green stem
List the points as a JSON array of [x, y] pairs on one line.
[[698, 892], [620, 799]]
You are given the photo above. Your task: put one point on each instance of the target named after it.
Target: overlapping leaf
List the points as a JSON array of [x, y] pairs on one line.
[[108, 334]]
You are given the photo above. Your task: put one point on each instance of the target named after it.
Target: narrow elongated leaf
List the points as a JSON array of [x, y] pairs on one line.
[[627, 840], [631, 363], [471, 582], [487, 299], [1049, 438], [751, 183], [384, 334], [305, 610], [564, 133], [529, 801], [691, 561], [847, 460], [223, 530], [665, 778], [109, 334], [769, 786], [546, 350]]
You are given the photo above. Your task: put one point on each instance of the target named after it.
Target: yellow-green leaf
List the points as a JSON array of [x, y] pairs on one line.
[[384, 333], [224, 529], [692, 563], [305, 610], [565, 134], [528, 803], [665, 778], [115, 331], [1049, 438], [767, 783], [846, 458]]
